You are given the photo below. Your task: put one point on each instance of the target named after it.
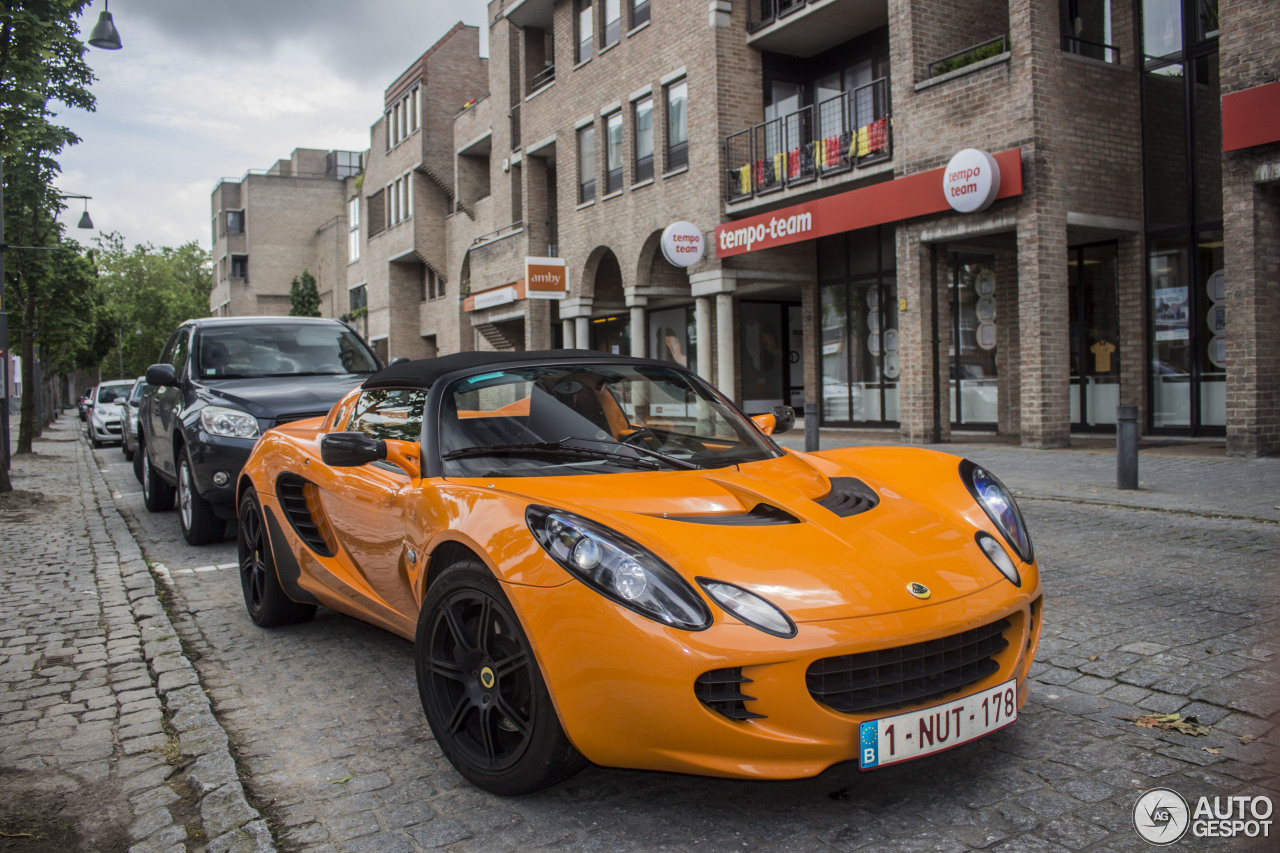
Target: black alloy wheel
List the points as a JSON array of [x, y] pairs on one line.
[[482, 691], [266, 602]]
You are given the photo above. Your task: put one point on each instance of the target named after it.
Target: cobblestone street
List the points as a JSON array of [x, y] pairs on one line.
[[1158, 606]]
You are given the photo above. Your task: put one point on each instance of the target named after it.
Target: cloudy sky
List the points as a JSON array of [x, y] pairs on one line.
[[207, 89]]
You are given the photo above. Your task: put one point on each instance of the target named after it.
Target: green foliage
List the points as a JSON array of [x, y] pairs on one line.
[[969, 57], [304, 296], [146, 293]]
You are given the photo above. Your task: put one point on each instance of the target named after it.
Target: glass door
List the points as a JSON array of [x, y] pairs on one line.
[[974, 392], [1093, 287], [772, 360]]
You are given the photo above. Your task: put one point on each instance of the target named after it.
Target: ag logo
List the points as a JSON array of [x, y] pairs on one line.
[[1161, 816], [486, 677], [919, 590]]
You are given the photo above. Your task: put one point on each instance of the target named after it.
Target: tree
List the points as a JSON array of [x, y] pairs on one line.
[[304, 296], [42, 67], [146, 292]]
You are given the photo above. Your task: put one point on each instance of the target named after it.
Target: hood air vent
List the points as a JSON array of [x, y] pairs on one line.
[[762, 515], [849, 496]]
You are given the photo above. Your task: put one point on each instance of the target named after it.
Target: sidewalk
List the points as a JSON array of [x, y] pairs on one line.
[[1173, 475], [107, 742]]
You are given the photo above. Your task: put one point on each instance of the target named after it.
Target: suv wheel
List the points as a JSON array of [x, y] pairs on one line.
[[157, 495], [200, 525]]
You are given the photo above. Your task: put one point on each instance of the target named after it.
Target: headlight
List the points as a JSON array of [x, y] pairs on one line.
[[231, 423], [996, 554], [998, 503], [618, 567], [756, 611]]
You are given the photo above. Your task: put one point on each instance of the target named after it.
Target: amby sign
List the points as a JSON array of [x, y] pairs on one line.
[[546, 278], [682, 244], [971, 181]]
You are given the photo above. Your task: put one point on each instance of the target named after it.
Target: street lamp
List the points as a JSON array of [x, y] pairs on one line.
[[104, 33]]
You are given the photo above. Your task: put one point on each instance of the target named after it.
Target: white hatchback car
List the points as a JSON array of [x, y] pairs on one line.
[[104, 411]]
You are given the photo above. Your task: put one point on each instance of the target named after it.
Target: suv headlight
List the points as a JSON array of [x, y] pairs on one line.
[[999, 506], [618, 567], [229, 423]]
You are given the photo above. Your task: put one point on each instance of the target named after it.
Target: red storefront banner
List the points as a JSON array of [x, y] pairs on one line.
[[915, 195], [1251, 117]]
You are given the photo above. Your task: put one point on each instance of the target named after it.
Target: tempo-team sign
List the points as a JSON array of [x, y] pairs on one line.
[[683, 244], [971, 181]]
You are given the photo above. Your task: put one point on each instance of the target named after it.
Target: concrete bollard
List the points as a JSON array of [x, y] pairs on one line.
[[810, 427], [1126, 447]]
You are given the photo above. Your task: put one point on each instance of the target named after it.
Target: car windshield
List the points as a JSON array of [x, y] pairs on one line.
[[585, 418], [281, 349], [115, 393]]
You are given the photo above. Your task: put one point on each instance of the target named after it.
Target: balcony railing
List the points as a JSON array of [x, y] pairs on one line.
[[762, 13], [542, 78], [1091, 49], [851, 130], [969, 56]]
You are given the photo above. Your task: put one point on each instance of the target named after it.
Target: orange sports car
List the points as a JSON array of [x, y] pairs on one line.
[[600, 558]]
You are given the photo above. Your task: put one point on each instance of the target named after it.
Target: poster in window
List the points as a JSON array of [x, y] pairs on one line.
[[1216, 286], [986, 335], [669, 335], [1172, 310]]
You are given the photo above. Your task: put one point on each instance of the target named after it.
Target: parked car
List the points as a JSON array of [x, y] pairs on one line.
[[129, 418], [104, 411], [83, 403], [220, 384], [599, 558]]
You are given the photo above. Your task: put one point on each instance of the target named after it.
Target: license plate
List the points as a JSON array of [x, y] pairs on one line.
[[906, 736]]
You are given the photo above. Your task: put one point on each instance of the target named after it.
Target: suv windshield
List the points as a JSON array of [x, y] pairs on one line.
[[584, 418], [280, 349]]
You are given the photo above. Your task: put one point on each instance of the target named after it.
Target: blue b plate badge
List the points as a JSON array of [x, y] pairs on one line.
[[903, 737]]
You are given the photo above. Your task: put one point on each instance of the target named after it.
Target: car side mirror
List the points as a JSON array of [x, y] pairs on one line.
[[776, 421], [351, 449], [400, 359], [162, 374]]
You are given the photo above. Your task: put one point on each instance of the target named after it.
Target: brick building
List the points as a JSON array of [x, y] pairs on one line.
[[835, 155], [271, 225]]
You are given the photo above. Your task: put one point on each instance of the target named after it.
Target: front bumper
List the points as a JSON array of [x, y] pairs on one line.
[[211, 455], [624, 685], [108, 430]]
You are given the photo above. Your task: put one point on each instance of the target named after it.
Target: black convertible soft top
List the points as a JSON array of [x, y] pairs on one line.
[[424, 372]]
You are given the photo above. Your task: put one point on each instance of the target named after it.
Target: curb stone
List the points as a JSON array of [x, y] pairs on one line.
[[228, 821]]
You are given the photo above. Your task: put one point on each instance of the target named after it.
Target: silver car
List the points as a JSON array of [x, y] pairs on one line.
[[129, 418], [104, 411]]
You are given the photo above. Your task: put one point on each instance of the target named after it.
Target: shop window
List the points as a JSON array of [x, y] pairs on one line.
[[673, 336], [974, 376], [1094, 322]]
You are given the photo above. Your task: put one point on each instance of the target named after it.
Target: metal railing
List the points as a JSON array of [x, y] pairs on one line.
[[969, 56], [509, 228], [1091, 49], [848, 131], [762, 13], [542, 78]]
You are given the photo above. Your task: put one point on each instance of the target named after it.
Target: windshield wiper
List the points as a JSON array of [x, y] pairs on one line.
[[549, 447], [674, 461]]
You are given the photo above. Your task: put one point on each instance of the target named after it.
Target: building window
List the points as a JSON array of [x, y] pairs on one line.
[[353, 235], [432, 284], [639, 13], [585, 43], [240, 266], [613, 153], [402, 118], [586, 164], [235, 221], [612, 22], [344, 164], [642, 112], [400, 199], [1086, 28], [677, 125], [377, 212], [358, 312]]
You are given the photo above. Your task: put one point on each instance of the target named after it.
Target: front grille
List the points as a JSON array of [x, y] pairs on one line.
[[290, 489], [915, 674], [721, 691], [298, 416]]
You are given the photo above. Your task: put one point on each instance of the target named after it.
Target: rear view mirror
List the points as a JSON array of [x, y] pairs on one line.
[[351, 449], [162, 374]]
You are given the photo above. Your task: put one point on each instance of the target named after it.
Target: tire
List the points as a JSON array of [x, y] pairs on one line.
[[97, 445], [266, 602], [139, 454], [504, 737], [200, 525], [157, 495]]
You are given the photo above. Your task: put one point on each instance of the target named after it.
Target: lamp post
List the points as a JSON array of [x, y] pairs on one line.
[[105, 36]]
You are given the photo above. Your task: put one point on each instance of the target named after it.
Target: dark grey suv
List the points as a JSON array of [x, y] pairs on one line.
[[222, 382]]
